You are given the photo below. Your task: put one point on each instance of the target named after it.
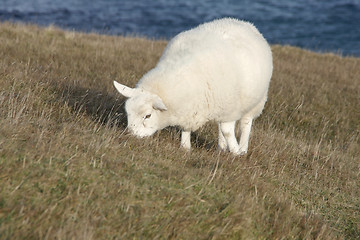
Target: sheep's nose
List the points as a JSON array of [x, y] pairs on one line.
[[131, 128]]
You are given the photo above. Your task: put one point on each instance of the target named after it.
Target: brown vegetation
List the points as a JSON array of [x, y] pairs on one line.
[[68, 170]]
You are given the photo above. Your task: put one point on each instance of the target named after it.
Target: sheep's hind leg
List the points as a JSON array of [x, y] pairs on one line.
[[185, 140], [228, 131], [245, 127]]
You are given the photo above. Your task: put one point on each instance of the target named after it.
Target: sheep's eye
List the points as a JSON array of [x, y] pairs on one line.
[[147, 116]]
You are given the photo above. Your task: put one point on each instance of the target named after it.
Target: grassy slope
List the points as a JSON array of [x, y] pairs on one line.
[[68, 169]]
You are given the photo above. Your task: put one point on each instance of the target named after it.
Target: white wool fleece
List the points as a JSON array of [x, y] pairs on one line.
[[217, 71]]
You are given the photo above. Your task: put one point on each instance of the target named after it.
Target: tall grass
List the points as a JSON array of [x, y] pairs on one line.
[[69, 170]]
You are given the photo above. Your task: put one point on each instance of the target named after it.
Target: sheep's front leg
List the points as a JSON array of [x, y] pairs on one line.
[[185, 140], [228, 131], [222, 141], [245, 127]]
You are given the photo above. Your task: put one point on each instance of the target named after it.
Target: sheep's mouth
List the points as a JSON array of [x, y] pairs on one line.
[[142, 134]]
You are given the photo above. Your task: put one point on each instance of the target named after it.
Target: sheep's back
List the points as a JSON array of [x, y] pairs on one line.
[[217, 71]]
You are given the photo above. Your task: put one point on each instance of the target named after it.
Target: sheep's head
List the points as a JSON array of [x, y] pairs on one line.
[[143, 110]]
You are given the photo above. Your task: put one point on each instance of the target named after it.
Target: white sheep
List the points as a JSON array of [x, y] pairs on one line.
[[218, 71]]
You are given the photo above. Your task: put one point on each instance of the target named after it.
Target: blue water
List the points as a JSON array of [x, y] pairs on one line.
[[320, 25]]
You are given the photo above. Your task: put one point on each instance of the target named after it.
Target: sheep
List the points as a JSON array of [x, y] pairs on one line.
[[219, 71]]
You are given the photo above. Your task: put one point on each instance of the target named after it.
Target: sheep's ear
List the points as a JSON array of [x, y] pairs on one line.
[[159, 105], [124, 90]]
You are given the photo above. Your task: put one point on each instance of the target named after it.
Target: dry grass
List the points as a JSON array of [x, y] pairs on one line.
[[69, 171]]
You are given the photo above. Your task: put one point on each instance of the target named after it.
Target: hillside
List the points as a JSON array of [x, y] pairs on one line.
[[68, 170]]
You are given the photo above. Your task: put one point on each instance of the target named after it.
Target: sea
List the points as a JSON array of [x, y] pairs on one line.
[[317, 25]]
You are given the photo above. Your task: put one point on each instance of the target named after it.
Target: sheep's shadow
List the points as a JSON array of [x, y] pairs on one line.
[[101, 106], [198, 141], [109, 110], [197, 138]]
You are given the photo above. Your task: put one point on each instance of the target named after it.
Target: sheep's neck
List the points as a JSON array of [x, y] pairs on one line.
[[166, 119]]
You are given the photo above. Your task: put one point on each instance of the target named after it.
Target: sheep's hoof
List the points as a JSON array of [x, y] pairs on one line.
[[185, 148], [221, 149], [241, 152]]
